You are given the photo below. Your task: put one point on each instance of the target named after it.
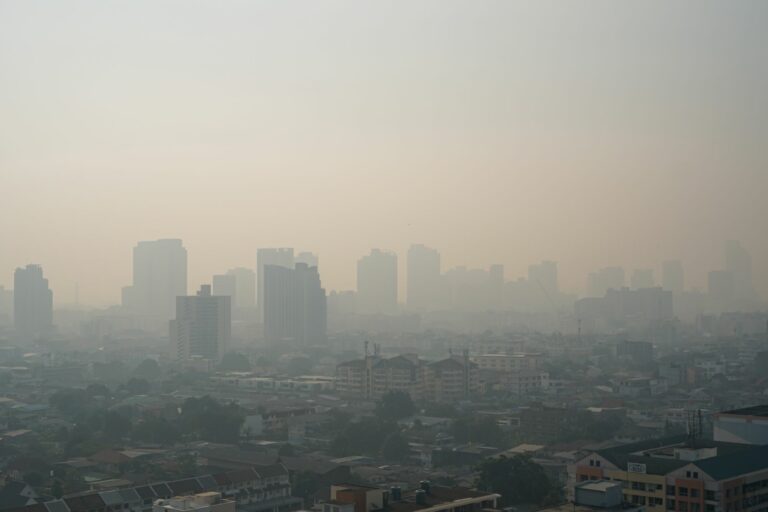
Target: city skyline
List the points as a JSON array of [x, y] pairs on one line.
[[504, 132]]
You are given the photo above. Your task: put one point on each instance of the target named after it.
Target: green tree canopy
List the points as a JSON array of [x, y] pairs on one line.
[[517, 479], [395, 405]]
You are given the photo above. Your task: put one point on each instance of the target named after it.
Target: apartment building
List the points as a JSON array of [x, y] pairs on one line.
[[447, 380], [683, 475]]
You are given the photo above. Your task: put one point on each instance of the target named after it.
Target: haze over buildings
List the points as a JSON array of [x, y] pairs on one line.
[[607, 121]]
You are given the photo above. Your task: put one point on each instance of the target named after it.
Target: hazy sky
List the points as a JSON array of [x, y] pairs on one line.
[[591, 132]]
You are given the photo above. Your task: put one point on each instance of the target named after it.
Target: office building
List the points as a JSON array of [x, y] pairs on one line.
[[642, 278], [608, 278], [672, 276], [32, 303], [544, 276], [495, 286], [738, 262], [202, 327], [225, 285], [307, 258], [245, 287], [295, 306], [159, 276], [6, 306], [377, 283], [423, 285], [280, 257], [722, 289]]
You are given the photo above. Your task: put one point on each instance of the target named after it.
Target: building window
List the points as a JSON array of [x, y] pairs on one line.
[[682, 506], [670, 504], [682, 491], [671, 490], [709, 495]]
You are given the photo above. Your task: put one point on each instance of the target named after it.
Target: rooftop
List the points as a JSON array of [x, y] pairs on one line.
[[756, 410]]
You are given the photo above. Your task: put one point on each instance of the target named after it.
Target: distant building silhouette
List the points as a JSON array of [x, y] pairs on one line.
[[605, 279], [377, 283], [423, 280], [6, 306], [739, 263], [202, 327], [295, 307], [722, 289], [672, 276], [642, 278], [544, 275], [281, 257], [245, 287], [33, 303], [225, 285], [307, 258], [159, 276]]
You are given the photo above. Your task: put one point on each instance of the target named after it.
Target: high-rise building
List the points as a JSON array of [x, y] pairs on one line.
[[159, 276], [377, 283], [295, 307], [544, 275], [307, 258], [32, 303], [202, 327], [245, 287], [281, 257], [423, 285], [605, 279], [721, 288], [225, 285], [642, 278], [739, 263], [495, 286], [6, 306], [672, 276]]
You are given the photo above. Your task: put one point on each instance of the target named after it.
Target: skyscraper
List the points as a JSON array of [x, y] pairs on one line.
[[32, 303], [495, 286], [6, 306], [423, 285], [159, 276], [308, 258], [245, 287], [739, 263], [544, 275], [672, 276], [377, 283], [281, 257], [225, 285], [642, 278], [295, 307], [202, 327], [608, 278]]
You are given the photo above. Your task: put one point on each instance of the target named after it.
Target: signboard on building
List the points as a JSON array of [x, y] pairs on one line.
[[635, 467]]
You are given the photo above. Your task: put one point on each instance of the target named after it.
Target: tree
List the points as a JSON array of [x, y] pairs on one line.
[[362, 437], [517, 479], [395, 405], [156, 430], [116, 426], [148, 369], [57, 491], [478, 430], [210, 420], [234, 362], [395, 448], [137, 386]]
